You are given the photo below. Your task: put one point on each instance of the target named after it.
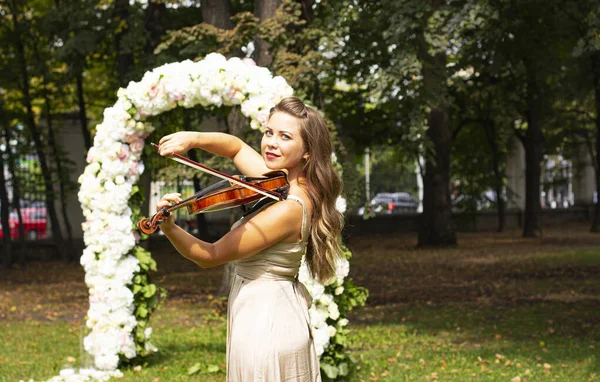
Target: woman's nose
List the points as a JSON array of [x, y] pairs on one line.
[[272, 141]]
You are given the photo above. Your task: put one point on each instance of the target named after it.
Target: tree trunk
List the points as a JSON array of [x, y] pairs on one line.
[[264, 9], [30, 119], [154, 25], [16, 187], [5, 207], [125, 59], [217, 13], [596, 68], [87, 137], [533, 142], [436, 226]]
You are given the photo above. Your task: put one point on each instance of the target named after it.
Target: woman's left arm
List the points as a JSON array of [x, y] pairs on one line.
[[277, 222]]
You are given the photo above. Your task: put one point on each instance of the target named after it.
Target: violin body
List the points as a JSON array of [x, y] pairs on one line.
[[236, 196], [217, 198]]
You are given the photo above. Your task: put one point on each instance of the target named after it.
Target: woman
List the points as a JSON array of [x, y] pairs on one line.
[[268, 331]]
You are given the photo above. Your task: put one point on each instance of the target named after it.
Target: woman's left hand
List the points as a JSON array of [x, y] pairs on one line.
[[166, 201]]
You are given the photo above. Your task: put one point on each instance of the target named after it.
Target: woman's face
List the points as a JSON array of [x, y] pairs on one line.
[[282, 146]]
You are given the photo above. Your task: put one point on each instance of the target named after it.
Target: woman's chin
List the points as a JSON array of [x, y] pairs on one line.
[[272, 166]]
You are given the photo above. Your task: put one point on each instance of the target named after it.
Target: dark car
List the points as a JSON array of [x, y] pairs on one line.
[[34, 223], [392, 203]]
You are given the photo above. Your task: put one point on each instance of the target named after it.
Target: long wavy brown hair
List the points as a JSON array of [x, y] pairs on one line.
[[323, 186]]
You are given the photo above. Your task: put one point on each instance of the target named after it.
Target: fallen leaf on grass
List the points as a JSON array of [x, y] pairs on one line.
[[194, 369]]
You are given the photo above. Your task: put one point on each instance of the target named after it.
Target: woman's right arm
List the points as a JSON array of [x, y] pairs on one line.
[[245, 158]]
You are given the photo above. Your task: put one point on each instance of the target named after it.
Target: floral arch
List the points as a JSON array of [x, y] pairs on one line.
[[121, 296]]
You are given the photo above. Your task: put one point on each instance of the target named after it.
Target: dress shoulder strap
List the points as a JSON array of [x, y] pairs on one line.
[[304, 233]]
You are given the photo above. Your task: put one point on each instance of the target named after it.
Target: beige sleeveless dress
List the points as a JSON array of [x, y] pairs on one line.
[[268, 332]]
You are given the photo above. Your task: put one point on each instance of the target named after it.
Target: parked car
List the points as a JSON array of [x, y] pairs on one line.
[[392, 203], [34, 223]]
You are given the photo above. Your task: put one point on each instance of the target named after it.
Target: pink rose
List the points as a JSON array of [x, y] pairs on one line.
[[249, 61], [130, 138], [133, 170], [124, 153], [137, 145]]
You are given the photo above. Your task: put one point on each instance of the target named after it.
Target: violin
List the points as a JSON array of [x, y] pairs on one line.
[[242, 191]]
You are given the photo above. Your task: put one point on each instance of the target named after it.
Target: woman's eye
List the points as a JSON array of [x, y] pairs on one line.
[[286, 137], [268, 133]]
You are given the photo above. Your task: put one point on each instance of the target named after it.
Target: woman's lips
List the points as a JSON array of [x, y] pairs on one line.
[[271, 156]]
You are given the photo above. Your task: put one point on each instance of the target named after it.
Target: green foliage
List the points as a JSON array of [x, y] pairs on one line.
[[587, 13], [336, 360], [147, 296]]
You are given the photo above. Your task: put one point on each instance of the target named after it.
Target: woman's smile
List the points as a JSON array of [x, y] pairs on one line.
[[271, 156]]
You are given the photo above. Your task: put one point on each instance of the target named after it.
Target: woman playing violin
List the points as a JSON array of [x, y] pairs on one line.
[[268, 331]]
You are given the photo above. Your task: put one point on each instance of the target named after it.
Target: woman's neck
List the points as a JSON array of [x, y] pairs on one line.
[[297, 182]]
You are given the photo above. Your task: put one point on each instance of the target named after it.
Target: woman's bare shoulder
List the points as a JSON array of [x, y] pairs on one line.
[[284, 216], [303, 194]]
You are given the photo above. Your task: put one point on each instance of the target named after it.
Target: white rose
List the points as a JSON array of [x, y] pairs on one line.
[[331, 330], [334, 313], [326, 299], [340, 204]]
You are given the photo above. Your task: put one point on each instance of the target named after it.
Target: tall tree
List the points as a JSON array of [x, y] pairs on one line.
[[61, 164], [17, 16], [123, 46], [4, 202], [78, 29], [264, 9], [436, 226], [411, 44], [585, 15], [530, 42]]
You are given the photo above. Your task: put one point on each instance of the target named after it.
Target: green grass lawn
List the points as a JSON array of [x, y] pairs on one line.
[[497, 308]]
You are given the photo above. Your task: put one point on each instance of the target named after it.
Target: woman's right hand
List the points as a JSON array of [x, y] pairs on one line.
[[177, 143], [166, 201]]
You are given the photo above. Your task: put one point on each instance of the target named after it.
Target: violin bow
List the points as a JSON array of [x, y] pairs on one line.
[[193, 164]]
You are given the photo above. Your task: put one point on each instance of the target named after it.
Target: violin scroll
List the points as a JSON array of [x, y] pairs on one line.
[[150, 225]]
